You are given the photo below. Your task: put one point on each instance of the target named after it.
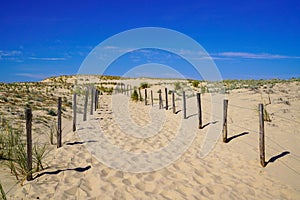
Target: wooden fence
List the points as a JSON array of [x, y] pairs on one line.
[[121, 89]]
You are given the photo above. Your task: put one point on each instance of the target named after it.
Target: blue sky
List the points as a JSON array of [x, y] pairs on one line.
[[246, 39]]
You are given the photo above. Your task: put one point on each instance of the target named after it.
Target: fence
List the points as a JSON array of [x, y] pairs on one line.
[[127, 90]]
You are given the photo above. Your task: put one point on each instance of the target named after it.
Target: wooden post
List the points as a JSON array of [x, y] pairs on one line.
[[96, 99], [140, 95], [184, 105], [261, 135], [166, 91], [28, 115], [98, 94], [173, 102], [199, 110], [145, 96], [85, 104], [151, 98], [74, 112], [225, 107], [160, 101], [59, 122], [92, 100]]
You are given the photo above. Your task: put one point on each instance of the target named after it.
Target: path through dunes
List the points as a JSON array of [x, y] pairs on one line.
[[229, 171]]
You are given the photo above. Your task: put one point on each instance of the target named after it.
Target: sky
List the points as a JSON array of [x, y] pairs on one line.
[[246, 39]]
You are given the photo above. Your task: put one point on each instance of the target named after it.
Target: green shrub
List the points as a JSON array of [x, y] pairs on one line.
[[195, 83], [144, 85], [134, 96], [52, 113]]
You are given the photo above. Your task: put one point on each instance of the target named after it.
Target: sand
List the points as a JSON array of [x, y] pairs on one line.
[[87, 168]]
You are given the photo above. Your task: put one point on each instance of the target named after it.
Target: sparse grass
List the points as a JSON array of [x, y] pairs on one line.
[[195, 83], [107, 90], [13, 152], [39, 154], [3, 195], [177, 86], [266, 115], [203, 89], [144, 85], [52, 113], [135, 96]]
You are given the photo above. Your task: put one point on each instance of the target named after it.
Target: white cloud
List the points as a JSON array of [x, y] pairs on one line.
[[248, 55], [10, 55], [117, 49], [46, 59], [30, 75]]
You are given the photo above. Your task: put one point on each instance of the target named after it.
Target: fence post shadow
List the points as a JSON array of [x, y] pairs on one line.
[[235, 136], [177, 111], [274, 158], [209, 124], [77, 169]]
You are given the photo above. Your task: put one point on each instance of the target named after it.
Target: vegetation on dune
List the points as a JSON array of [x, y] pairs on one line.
[[134, 96], [195, 83], [254, 84], [107, 77], [3, 195], [105, 90], [42, 98], [177, 86], [144, 85], [14, 155]]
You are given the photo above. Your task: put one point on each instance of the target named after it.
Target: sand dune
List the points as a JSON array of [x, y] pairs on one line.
[[87, 168]]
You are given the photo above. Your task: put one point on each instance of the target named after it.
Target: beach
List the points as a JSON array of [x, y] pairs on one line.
[[86, 167]]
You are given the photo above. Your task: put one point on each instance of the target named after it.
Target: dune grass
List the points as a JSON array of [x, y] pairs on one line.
[[13, 152]]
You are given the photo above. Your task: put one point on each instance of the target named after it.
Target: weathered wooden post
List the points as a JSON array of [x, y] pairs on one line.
[[225, 108], [28, 116], [96, 99], [74, 111], [145, 96], [130, 91], [92, 100], [166, 91], [59, 123], [184, 104], [261, 135], [199, 110], [151, 98], [160, 100], [85, 104], [173, 102], [140, 95]]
